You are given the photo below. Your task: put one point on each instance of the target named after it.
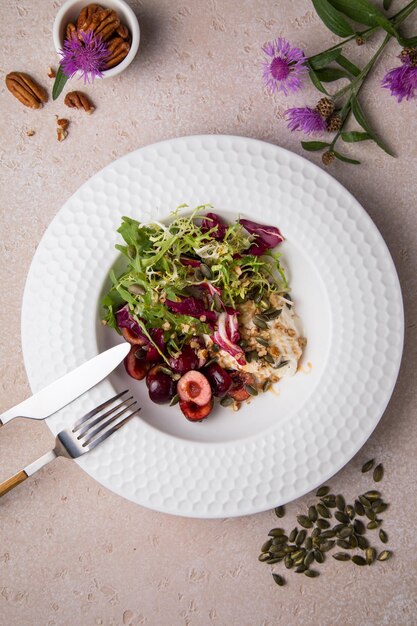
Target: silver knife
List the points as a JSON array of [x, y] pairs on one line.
[[66, 389]]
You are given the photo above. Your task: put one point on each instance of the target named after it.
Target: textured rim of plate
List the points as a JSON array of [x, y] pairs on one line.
[[276, 466]]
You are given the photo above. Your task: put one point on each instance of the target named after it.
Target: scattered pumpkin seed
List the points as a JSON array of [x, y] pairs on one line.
[[368, 466], [211, 361], [359, 527], [290, 549], [318, 555], [378, 473], [344, 532], [370, 554], [278, 541], [370, 514], [280, 511], [175, 400], [216, 348], [301, 535], [293, 534], [372, 495], [300, 569], [322, 524], [350, 511], [269, 359], [259, 322], [299, 561], [277, 551], [342, 517], [373, 524], [252, 355], [288, 562], [280, 364], [278, 579], [362, 542], [329, 500], [322, 491], [308, 543], [363, 500], [276, 532], [311, 573], [327, 545], [380, 508], [137, 290], [304, 521], [273, 314], [264, 556], [276, 559], [198, 275], [205, 270], [251, 390], [226, 401], [327, 534], [267, 385], [315, 533], [266, 545], [358, 560], [323, 510], [308, 559], [353, 541], [312, 513], [340, 502], [343, 543], [359, 510], [383, 536], [384, 555], [263, 342], [341, 556]]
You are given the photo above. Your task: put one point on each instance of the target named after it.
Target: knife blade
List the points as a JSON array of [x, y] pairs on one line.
[[67, 388]]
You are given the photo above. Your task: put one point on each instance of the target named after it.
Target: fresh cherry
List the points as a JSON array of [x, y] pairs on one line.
[[194, 412], [220, 380]]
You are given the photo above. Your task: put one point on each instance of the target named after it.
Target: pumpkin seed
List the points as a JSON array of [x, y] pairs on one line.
[[259, 322], [353, 541], [308, 559], [242, 343], [211, 361], [266, 545], [378, 473], [362, 542], [252, 355], [218, 305], [277, 551], [264, 556], [341, 556], [372, 495], [300, 569], [290, 549], [384, 555], [363, 500], [329, 500], [278, 541], [165, 370], [370, 514], [226, 401], [198, 275], [372, 525], [311, 573], [205, 270], [304, 521], [308, 543], [322, 491], [137, 290], [358, 560], [280, 511], [318, 555], [312, 513], [327, 534], [340, 502], [301, 535], [322, 524], [383, 536], [298, 554], [359, 510], [350, 511], [342, 517], [281, 364], [327, 545], [323, 510], [251, 390], [273, 314], [299, 561], [175, 400], [343, 543], [269, 359], [276, 532], [380, 508], [274, 560], [338, 527], [370, 554], [368, 466], [288, 562], [267, 385], [278, 579], [216, 348], [316, 532], [376, 503], [293, 534], [359, 527], [263, 342], [344, 532]]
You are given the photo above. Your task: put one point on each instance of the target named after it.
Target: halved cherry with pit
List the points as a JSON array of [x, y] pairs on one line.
[[194, 412], [194, 387], [131, 337], [240, 380], [135, 363]]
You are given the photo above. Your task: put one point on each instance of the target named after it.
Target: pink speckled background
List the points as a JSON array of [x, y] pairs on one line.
[[72, 553]]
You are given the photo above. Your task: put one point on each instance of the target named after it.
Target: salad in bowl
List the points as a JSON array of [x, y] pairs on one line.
[[206, 307]]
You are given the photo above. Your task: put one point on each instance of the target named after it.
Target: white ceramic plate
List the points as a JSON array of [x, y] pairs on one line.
[[346, 291]]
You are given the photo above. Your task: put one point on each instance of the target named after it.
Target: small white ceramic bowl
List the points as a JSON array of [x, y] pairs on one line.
[[69, 13]]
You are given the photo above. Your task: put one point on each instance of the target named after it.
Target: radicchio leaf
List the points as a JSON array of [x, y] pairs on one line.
[[267, 237], [212, 220], [223, 339], [191, 307], [185, 260], [125, 320], [152, 354]]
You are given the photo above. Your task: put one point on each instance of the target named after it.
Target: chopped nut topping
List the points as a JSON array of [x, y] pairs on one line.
[[51, 72], [61, 134]]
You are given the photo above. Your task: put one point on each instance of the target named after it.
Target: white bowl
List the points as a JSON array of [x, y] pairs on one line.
[[69, 13]]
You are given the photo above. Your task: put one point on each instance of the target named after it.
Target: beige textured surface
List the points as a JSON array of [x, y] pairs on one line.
[[72, 553]]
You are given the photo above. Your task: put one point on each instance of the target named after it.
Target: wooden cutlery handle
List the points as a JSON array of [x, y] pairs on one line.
[[12, 482]]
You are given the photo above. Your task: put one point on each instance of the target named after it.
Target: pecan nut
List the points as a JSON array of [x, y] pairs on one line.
[[85, 17], [70, 31], [103, 23], [26, 90], [123, 31], [118, 50], [78, 100]]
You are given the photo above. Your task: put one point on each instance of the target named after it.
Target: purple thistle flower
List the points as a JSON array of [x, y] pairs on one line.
[[402, 80], [87, 56], [283, 67], [306, 119]]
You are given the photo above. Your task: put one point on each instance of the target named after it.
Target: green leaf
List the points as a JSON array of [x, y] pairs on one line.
[[411, 42], [313, 146], [345, 159], [59, 83], [361, 119], [348, 65], [332, 18], [316, 82], [387, 4], [363, 12], [329, 74], [354, 135], [324, 58]]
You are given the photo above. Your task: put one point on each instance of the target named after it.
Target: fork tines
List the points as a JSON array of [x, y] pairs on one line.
[[87, 428]]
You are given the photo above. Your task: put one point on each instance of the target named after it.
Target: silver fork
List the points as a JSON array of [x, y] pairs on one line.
[[87, 433]]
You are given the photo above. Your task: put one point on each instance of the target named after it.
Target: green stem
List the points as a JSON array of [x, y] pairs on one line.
[[399, 17]]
